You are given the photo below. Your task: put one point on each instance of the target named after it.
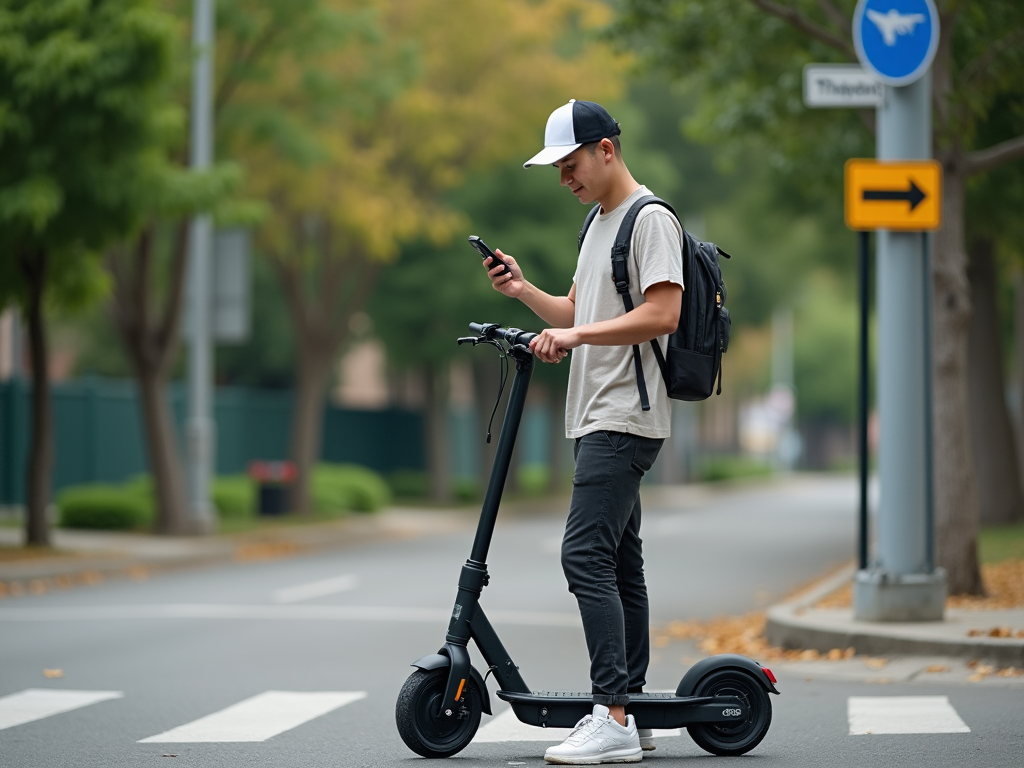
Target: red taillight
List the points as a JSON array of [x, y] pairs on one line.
[[769, 673]]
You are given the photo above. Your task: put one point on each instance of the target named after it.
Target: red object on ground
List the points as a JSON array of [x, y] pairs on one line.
[[273, 471]]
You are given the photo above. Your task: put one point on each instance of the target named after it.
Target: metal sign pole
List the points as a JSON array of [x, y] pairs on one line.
[[200, 428], [864, 269]]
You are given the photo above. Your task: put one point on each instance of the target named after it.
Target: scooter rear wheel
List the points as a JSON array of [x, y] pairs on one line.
[[424, 731], [733, 738]]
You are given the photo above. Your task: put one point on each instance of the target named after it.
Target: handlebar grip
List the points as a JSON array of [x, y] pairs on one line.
[[476, 328]]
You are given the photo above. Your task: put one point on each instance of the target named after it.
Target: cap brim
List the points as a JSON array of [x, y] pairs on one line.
[[550, 155]]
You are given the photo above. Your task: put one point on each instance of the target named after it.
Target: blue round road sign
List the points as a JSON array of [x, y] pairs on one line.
[[896, 39]]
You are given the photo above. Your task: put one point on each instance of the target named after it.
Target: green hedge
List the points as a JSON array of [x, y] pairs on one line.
[[339, 488], [105, 507], [336, 489], [719, 468]]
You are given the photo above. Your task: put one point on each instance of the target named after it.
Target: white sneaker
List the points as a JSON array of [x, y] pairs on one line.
[[596, 739], [646, 739]]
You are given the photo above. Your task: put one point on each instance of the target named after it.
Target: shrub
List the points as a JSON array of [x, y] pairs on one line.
[[534, 479], [719, 468], [106, 507], [338, 488], [234, 496], [409, 483]]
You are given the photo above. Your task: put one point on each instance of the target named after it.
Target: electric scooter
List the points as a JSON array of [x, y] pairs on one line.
[[722, 700]]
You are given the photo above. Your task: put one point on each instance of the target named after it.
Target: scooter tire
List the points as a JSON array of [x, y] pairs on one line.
[[419, 725], [741, 737]]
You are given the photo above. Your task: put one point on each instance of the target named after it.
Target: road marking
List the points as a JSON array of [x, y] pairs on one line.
[[507, 727], [903, 714], [37, 703], [279, 613], [258, 718], [315, 589]]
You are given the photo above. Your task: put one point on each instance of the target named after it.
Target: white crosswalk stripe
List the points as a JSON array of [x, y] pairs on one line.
[[38, 703], [902, 715], [258, 718]]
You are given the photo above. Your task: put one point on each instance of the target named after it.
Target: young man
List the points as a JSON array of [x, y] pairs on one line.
[[616, 441]]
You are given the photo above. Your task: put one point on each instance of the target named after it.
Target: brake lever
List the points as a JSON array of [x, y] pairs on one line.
[[474, 340]]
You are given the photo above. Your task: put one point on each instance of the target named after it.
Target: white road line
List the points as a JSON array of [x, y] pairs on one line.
[[507, 727], [258, 718], [279, 613], [37, 703], [903, 714], [315, 589]]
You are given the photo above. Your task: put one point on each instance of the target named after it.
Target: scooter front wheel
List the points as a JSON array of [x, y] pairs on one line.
[[422, 728], [733, 738]]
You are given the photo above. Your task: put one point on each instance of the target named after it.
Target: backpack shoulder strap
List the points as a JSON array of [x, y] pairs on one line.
[[620, 276], [586, 225]]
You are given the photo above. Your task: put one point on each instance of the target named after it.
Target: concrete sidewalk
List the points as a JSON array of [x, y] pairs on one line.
[[800, 623]]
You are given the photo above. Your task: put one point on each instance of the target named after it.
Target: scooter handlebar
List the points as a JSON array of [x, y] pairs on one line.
[[494, 331]]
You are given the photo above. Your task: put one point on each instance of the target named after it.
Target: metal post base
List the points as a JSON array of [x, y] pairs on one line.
[[883, 596]]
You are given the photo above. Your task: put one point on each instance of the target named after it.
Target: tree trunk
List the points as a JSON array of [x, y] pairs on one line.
[[1018, 350], [956, 505], [314, 368], [164, 458], [40, 462], [438, 444], [1000, 500], [150, 342]]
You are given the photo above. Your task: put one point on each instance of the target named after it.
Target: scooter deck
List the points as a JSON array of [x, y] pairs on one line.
[[561, 709]]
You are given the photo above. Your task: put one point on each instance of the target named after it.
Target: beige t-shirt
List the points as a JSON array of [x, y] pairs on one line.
[[603, 393]]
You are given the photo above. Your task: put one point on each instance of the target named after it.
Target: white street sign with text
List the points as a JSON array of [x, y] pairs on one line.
[[841, 85]]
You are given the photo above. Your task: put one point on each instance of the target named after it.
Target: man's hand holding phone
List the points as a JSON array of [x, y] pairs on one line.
[[505, 274]]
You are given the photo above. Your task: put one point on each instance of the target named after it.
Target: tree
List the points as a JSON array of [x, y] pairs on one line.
[[353, 118], [744, 58], [80, 131]]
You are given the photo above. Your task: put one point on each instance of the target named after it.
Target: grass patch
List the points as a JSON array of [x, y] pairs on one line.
[[1001, 543]]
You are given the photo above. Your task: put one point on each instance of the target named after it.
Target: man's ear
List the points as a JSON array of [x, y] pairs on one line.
[[607, 150]]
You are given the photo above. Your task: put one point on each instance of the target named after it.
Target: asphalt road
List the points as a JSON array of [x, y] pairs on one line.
[[307, 654]]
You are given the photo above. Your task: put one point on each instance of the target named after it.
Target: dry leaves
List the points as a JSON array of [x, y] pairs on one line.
[[739, 634], [53, 673], [1004, 588], [981, 671], [876, 663], [936, 668], [1004, 632]]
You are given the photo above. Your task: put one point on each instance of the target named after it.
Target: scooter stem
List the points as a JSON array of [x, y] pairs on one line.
[[503, 458]]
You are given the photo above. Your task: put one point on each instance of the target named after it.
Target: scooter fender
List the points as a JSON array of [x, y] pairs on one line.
[[722, 661], [441, 660]]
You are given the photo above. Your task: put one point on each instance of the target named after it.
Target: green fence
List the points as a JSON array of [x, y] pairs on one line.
[[99, 437]]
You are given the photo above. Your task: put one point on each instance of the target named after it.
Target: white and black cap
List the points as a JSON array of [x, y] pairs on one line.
[[571, 126]]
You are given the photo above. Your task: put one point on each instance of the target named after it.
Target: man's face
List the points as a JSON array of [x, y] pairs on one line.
[[583, 173]]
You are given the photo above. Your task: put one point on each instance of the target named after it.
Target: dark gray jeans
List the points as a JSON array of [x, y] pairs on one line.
[[603, 560]]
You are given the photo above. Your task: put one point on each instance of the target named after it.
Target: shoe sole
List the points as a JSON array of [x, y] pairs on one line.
[[612, 757], [648, 747]]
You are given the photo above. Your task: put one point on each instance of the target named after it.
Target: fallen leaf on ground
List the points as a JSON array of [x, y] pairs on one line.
[[936, 668], [53, 673], [1010, 672], [875, 663]]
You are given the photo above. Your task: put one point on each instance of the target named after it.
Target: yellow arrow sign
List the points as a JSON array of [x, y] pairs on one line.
[[902, 195]]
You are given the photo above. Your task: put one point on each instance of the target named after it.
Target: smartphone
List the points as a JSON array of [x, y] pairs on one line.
[[486, 252]]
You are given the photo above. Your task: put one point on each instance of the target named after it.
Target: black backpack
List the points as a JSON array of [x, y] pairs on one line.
[[695, 347]]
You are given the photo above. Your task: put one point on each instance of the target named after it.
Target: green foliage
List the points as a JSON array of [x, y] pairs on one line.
[[339, 488], [534, 479], [234, 496], [714, 469], [409, 484], [104, 507], [825, 352]]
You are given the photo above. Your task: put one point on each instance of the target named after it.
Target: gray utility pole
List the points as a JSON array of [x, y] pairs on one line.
[[201, 429], [902, 584]]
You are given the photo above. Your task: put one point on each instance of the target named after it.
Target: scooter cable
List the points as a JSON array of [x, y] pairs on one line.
[[503, 366]]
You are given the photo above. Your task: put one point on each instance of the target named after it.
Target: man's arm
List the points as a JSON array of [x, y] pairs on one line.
[[557, 311], [658, 315]]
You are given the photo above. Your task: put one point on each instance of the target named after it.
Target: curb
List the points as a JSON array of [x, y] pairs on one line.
[[795, 624]]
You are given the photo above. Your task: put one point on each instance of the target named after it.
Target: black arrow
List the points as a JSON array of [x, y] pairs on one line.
[[914, 195]]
